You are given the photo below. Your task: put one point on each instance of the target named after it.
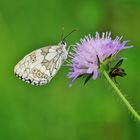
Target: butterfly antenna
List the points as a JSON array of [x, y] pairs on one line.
[[69, 34], [62, 33]]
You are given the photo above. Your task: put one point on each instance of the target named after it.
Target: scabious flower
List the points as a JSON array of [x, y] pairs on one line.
[[93, 56], [94, 52]]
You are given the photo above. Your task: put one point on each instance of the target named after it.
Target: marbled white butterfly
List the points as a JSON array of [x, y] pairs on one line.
[[41, 65]]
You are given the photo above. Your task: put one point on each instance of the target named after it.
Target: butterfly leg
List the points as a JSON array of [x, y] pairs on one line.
[[70, 47]]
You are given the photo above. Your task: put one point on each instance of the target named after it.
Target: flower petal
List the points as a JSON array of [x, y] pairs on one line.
[[95, 75], [84, 59]]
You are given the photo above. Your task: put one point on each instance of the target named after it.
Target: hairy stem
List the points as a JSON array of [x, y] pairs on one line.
[[121, 96]]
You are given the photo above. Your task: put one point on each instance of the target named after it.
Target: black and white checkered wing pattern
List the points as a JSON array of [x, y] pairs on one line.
[[41, 65]]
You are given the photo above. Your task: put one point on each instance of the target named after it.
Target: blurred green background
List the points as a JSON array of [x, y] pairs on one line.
[[55, 111]]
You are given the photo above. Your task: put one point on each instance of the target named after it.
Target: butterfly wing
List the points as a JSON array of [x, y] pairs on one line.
[[40, 66]]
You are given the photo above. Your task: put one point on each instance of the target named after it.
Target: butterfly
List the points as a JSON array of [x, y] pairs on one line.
[[41, 65]]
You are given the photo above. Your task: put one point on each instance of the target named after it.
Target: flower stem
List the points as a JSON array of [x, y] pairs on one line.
[[125, 101]]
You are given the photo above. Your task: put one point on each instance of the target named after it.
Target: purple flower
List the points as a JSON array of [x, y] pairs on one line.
[[91, 51]]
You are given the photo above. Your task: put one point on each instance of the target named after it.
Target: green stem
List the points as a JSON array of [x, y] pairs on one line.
[[125, 101]]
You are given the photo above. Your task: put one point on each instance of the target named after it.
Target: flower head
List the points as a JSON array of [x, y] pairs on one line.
[[93, 51]]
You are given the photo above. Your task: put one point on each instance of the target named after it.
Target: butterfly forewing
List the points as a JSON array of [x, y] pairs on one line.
[[40, 66]]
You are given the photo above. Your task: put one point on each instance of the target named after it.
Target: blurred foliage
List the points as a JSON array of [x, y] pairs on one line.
[[55, 111]]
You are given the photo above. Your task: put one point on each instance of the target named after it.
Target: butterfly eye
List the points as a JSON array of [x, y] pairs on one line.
[[63, 43]]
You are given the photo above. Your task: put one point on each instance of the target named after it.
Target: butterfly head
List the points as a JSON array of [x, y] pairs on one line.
[[63, 44], [63, 39]]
